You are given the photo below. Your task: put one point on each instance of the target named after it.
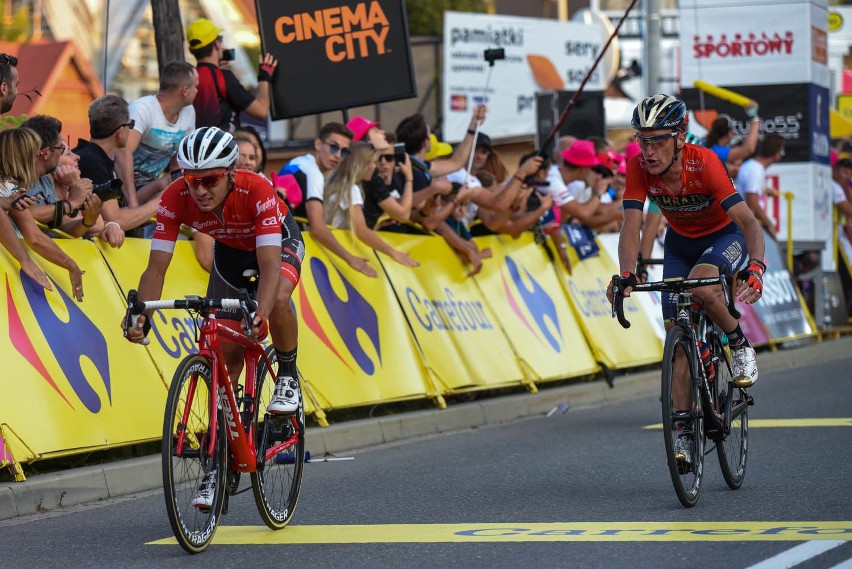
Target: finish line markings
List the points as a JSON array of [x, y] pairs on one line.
[[534, 532], [790, 423]]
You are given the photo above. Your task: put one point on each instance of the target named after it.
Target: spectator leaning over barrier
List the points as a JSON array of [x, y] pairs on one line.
[[344, 200], [751, 181], [841, 175], [721, 134], [388, 192], [485, 158], [67, 201], [220, 96], [19, 148], [110, 125], [582, 200], [331, 146], [159, 123]]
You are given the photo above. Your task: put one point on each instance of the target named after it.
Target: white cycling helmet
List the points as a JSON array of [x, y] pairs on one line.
[[207, 147]]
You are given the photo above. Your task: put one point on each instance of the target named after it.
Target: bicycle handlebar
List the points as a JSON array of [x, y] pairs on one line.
[[136, 307], [675, 285]]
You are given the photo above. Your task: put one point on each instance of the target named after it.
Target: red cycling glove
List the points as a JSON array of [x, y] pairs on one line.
[[753, 275]]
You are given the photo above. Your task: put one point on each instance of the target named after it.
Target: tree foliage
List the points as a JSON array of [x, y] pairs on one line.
[[426, 17], [19, 27]]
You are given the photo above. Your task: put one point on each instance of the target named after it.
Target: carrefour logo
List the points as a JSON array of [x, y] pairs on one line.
[[539, 304], [72, 339], [350, 314]]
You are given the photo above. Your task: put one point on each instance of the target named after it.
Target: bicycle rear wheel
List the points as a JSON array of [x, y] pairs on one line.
[[678, 370], [187, 456], [278, 480], [733, 404]]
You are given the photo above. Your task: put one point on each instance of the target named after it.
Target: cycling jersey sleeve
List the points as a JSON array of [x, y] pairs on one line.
[[637, 185], [169, 215]]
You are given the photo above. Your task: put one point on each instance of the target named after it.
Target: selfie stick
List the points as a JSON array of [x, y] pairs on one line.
[[548, 142], [491, 55]]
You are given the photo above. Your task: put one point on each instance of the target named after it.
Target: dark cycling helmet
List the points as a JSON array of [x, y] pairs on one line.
[[660, 111], [207, 147]]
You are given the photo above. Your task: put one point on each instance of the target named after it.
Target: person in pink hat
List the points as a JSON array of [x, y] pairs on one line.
[[581, 201], [364, 129]]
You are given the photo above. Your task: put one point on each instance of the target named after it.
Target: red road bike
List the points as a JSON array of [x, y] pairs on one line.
[[211, 425]]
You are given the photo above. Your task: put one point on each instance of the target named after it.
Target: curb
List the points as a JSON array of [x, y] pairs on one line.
[[76, 486]]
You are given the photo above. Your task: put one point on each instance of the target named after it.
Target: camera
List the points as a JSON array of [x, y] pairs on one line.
[[456, 187], [110, 190], [399, 152], [534, 199], [229, 54], [492, 55]]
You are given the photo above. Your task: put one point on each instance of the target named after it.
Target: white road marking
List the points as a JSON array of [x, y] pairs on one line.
[[796, 555]]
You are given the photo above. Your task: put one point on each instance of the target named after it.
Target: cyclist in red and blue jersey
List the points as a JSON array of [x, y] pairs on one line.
[[710, 227], [253, 229]]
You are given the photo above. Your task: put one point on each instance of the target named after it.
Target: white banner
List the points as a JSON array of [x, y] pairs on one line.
[[744, 43], [810, 184], [541, 55]]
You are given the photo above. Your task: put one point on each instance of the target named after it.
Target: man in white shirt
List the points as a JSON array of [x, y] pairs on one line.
[[751, 180], [160, 123]]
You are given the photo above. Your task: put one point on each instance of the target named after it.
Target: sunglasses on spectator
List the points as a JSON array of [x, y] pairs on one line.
[[207, 181], [335, 149], [654, 141], [5, 62], [130, 124], [386, 157]]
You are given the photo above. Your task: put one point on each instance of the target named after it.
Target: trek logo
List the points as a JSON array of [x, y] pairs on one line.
[[72, 339], [350, 32], [743, 46], [349, 316], [538, 303]]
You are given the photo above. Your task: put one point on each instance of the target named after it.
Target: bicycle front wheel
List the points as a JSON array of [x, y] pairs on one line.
[[683, 423], [280, 443], [733, 404], [189, 457]]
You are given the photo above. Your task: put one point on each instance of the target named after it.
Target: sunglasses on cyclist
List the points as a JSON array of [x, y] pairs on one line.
[[335, 149], [654, 141], [207, 181]]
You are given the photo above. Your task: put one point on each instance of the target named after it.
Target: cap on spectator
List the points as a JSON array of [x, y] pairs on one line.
[[360, 126], [631, 150], [581, 154], [606, 164], [483, 140], [837, 161], [437, 149], [202, 32]]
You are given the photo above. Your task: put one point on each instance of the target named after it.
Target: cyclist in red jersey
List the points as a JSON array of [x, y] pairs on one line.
[[709, 227], [253, 229]]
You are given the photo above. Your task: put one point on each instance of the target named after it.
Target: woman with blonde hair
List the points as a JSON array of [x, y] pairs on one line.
[[343, 200], [19, 149]]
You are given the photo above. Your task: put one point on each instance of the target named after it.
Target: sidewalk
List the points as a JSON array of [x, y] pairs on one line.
[[93, 483]]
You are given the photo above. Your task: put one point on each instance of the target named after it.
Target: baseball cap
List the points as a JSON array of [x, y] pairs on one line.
[[631, 150], [437, 149], [606, 164], [202, 32], [581, 154], [360, 126]]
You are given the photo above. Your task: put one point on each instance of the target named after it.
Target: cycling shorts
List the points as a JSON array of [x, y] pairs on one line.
[[724, 248], [229, 264]]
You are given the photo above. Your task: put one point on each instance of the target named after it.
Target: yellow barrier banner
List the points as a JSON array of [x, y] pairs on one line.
[[74, 384], [523, 290], [459, 336], [612, 345], [355, 347]]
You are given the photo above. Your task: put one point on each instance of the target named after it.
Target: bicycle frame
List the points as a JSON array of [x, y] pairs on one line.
[[240, 431]]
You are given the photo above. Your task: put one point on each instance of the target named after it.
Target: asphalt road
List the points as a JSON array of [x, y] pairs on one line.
[[587, 488]]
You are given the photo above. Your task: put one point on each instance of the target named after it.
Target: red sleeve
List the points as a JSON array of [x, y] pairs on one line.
[[636, 186], [170, 212]]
